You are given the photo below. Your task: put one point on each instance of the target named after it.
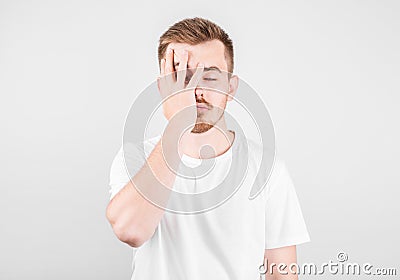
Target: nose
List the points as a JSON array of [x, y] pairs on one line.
[[198, 92]]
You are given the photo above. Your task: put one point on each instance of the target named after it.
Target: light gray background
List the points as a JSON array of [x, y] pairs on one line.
[[69, 71]]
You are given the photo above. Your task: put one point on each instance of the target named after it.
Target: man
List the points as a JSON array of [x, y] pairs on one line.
[[231, 240]]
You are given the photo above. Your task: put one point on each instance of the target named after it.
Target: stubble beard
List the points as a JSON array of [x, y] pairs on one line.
[[203, 125]]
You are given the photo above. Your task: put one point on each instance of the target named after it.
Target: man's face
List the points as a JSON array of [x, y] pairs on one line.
[[212, 92]]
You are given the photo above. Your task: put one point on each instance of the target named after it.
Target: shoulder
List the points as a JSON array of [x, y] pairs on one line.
[[129, 158], [274, 171], [280, 179], [133, 151]]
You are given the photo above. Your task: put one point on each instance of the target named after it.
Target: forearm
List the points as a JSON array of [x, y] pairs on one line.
[[278, 276], [279, 263], [133, 218]]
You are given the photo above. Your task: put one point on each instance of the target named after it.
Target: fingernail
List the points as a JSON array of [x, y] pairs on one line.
[[169, 51]]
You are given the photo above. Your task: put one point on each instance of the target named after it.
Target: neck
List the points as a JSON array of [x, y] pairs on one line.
[[209, 144]]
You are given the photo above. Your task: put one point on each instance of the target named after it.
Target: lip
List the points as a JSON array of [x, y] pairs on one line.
[[201, 107]]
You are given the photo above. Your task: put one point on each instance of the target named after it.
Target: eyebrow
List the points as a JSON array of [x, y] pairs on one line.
[[211, 68]]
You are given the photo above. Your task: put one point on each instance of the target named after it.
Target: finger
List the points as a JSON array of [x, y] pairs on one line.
[[181, 75], [169, 63], [194, 81], [162, 67]]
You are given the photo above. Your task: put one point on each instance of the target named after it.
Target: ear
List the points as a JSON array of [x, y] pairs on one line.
[[233, 85]]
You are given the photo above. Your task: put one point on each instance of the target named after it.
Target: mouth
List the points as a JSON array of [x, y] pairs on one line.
[[201, 106]]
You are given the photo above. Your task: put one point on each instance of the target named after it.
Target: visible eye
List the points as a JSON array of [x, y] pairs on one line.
[[209, 79]]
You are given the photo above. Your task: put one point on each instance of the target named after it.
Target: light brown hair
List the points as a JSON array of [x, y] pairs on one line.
[[194, 31]]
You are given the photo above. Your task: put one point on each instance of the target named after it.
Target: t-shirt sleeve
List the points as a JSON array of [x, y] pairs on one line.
[[284, 222], [127, 162]]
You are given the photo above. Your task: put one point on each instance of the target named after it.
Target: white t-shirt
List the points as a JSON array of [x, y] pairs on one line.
[[227, 242]]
